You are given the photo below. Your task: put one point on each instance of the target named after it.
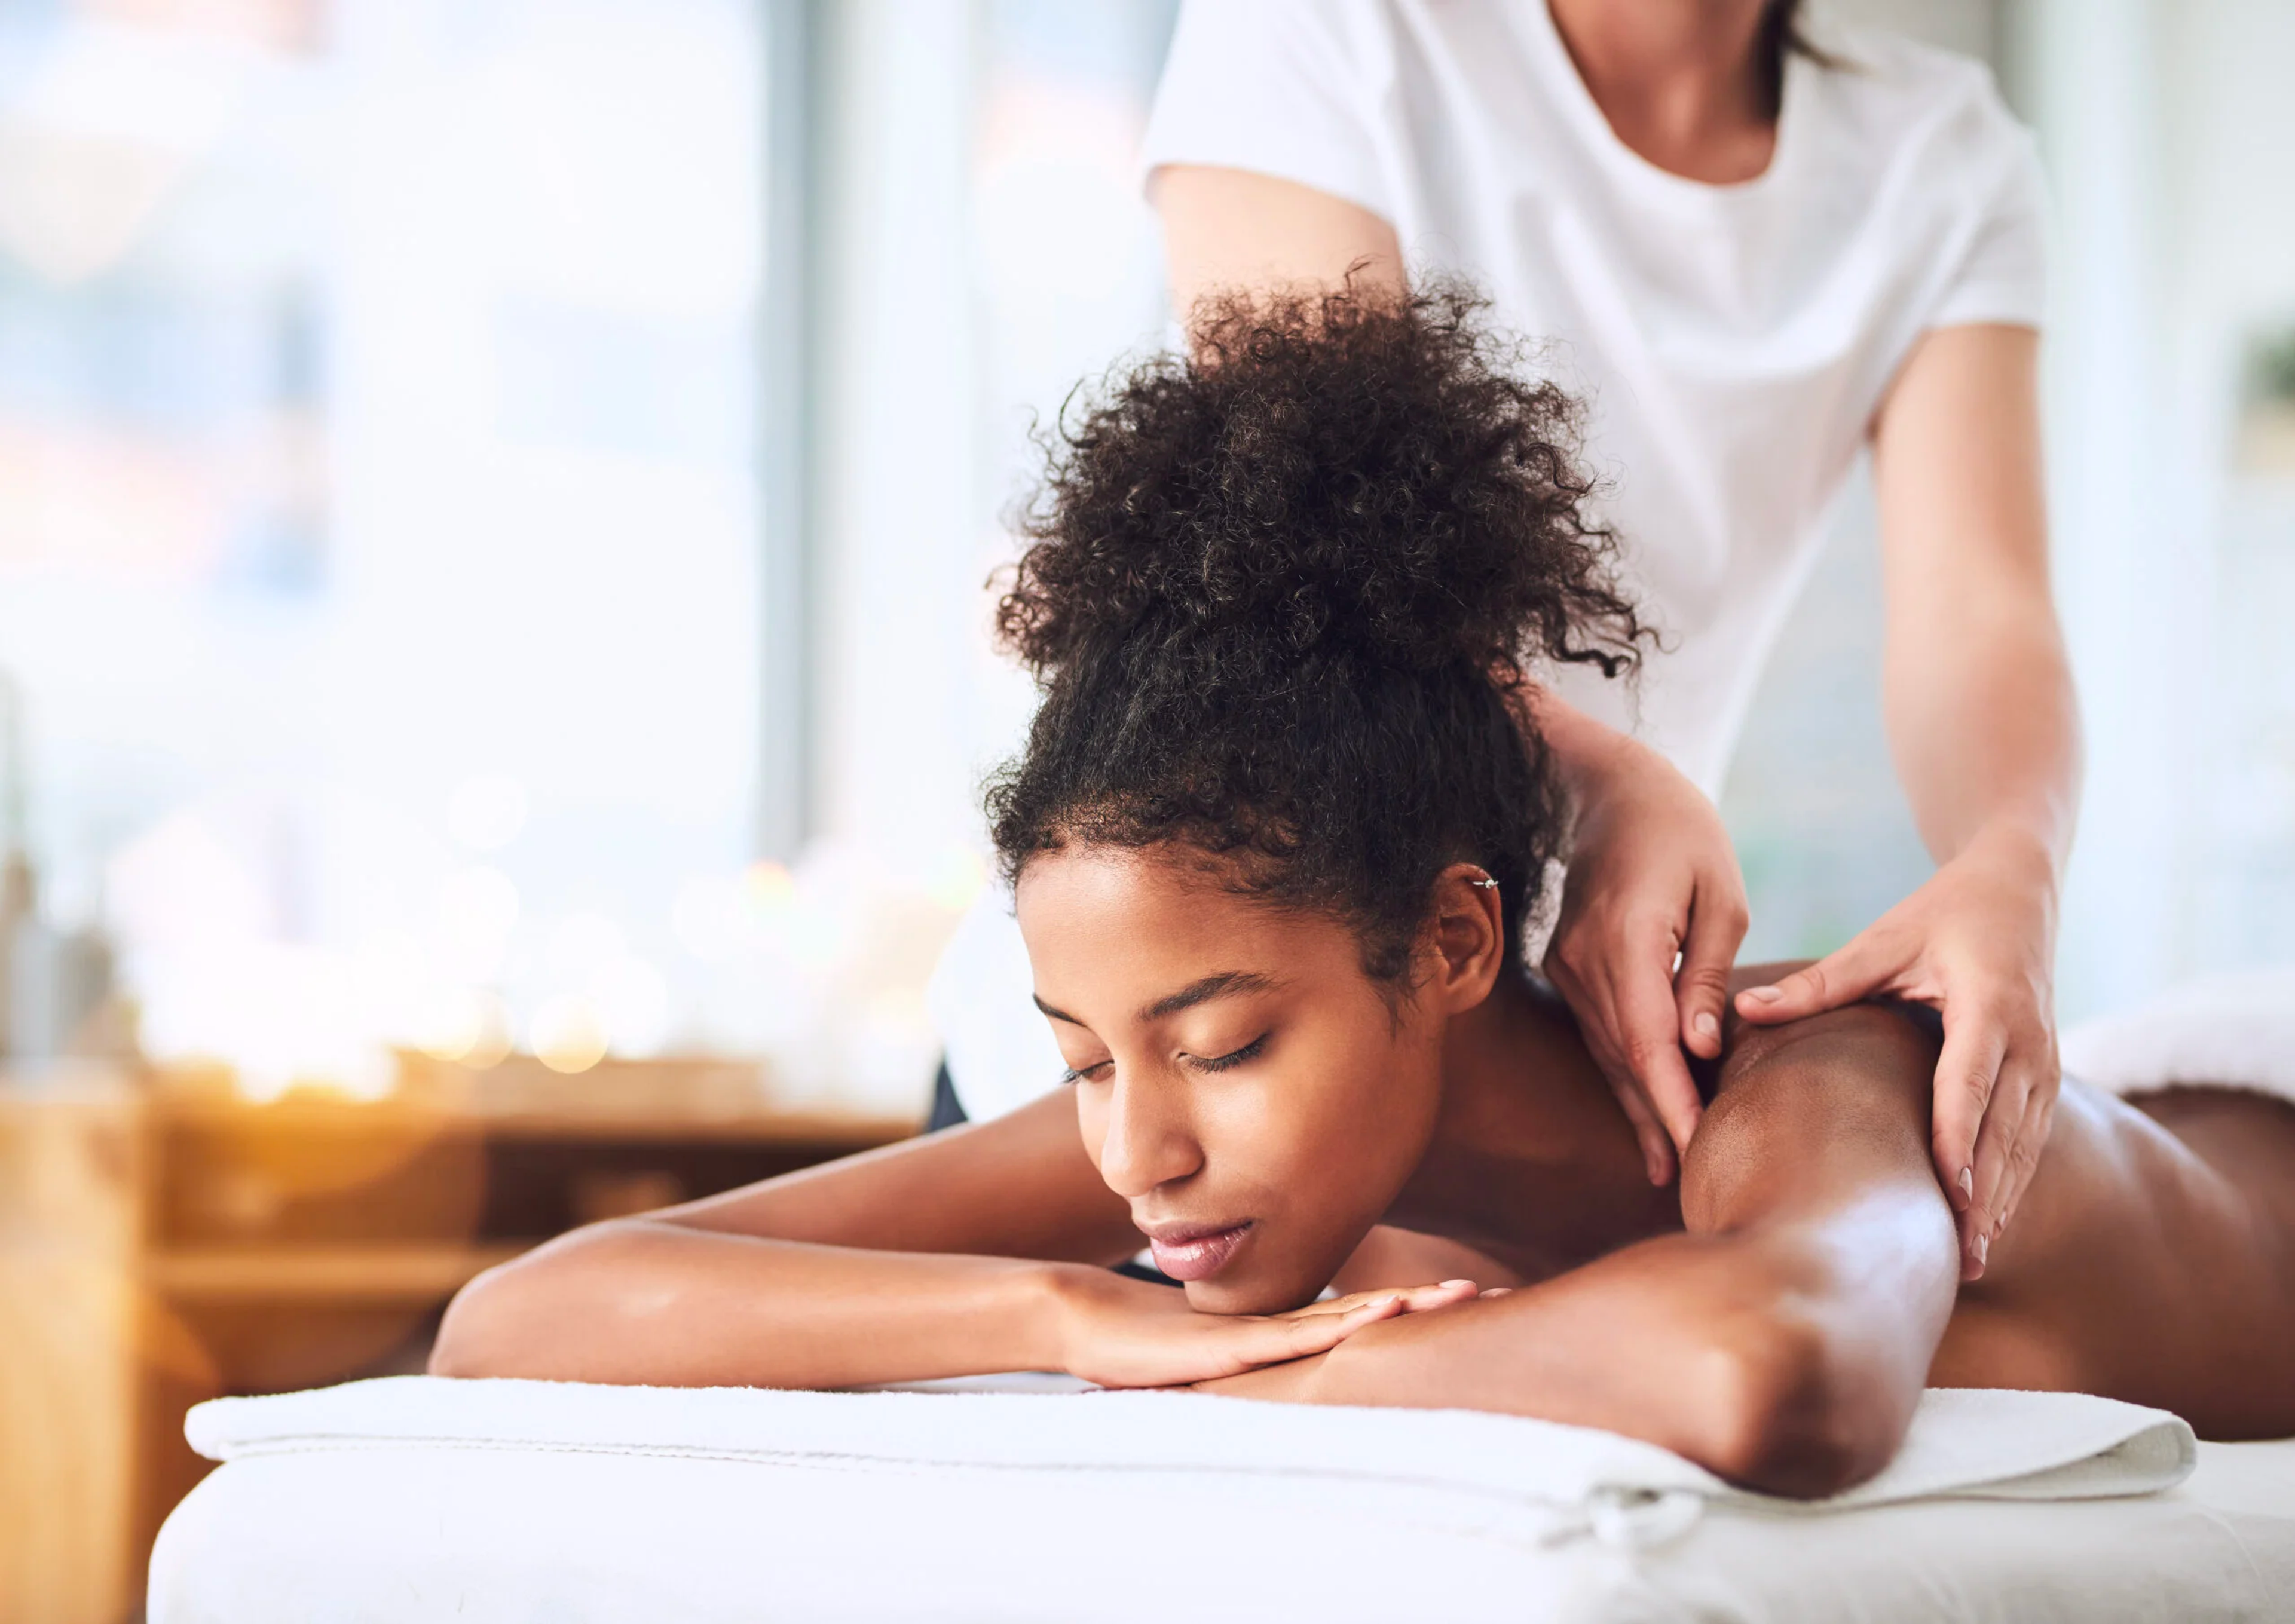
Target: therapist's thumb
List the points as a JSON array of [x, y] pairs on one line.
[[1857, 971]]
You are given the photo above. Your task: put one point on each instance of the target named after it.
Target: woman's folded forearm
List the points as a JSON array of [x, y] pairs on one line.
[[1697, 1343], [642, 1301]]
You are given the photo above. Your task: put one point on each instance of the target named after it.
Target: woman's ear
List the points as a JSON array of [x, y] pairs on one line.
[[1468, 938]]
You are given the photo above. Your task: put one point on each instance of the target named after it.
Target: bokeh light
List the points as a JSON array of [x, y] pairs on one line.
[[568, 1033]]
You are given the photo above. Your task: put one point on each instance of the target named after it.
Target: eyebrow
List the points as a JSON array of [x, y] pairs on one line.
[[1226, 983]]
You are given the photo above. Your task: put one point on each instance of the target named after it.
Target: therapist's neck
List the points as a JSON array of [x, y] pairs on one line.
[[1676, 79]]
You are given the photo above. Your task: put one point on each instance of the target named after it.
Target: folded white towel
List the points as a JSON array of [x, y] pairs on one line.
[[1962, 1444]]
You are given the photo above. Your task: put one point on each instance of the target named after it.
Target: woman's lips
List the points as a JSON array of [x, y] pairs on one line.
[[1196, 1254]]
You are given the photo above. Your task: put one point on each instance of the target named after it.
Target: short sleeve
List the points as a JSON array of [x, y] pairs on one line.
[[2003, 276], [1279, 87]]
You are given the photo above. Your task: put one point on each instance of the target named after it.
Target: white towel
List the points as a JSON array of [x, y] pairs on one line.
[[2233, 1031], [1964, 1443]]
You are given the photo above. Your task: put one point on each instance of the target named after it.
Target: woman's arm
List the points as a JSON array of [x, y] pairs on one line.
[[977, 1250], [1986, 733], [1652, 876], [1782, 1341], [823, 1278]]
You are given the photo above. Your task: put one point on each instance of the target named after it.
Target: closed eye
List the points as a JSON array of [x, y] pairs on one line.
[[1079, 1073], [1233, 1057]]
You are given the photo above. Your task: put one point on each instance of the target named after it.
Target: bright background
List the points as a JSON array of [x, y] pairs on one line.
[[495, 495]]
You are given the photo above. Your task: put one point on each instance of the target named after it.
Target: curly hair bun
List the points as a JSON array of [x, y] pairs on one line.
[[1279, 597], [1341, 471]]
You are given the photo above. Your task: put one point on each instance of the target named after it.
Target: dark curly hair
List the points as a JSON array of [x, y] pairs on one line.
[[1278, 597]]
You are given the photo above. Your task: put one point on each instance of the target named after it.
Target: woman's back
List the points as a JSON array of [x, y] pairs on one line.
[[2152, 1261]]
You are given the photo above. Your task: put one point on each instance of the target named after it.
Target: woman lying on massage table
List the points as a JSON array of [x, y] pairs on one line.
[[1272, 866]]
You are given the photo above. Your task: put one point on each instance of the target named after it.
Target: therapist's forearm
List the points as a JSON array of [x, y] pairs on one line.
[[1228, 231], [1986, 733], [1979, 692], [1582, 749]]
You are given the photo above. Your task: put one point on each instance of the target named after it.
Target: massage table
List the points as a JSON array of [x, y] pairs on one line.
[[1033, 1498]]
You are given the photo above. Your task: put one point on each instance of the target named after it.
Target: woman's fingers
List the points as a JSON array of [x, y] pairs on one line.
[[1414, 1299], [1158, 1341], [1857, 971], [1289, 1336], [1701, 987], [1419, 1299]]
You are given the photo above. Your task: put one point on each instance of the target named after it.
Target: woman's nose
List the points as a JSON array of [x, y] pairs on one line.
[[1148, 1142]]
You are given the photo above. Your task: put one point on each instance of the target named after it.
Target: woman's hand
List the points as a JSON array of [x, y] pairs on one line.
[[1293, 1381], [1653, 877], [1975, 942], [1123, 1333]]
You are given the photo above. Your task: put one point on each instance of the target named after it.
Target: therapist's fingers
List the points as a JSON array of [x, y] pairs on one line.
[[1649, 1034], [1857, 971], [1628, 1017], [2023, 1100], [1967, 1071], [1701, 987], [2040, 1122], [1596, 1010], [1657, 1149], [1649, 1133]]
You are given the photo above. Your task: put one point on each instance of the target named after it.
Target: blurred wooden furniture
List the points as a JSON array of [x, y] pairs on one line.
[[163, 1241]]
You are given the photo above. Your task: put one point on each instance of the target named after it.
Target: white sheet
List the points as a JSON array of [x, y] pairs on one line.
[[416, 1500]]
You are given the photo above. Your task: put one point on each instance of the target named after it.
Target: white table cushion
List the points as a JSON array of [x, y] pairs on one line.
[[510, 1500]]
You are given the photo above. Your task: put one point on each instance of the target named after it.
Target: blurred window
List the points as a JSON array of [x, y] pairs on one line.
[[378, 512]]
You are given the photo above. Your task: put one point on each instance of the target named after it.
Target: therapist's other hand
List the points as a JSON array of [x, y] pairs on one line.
[[1652, 881], [1124, 1333], [1975, 942]]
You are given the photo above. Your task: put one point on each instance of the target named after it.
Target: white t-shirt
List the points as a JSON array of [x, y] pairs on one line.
[[1731, 343]]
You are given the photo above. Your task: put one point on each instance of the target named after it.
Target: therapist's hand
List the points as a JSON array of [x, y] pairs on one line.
[[1975, 942], [1653, 879]]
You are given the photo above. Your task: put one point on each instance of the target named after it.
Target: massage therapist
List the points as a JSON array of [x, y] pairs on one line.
[[1752, 258]]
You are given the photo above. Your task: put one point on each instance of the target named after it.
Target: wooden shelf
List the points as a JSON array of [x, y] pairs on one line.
[[835, 1132], [364, 1273], [691, 1099], [164, 1239]]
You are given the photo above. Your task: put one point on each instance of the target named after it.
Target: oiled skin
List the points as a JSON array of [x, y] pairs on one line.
[[2154, 1259]]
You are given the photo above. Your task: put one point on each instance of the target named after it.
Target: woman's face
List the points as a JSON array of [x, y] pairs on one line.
[[1239, 1080]]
